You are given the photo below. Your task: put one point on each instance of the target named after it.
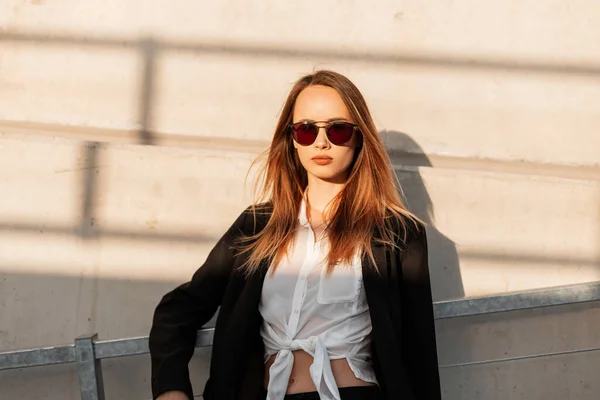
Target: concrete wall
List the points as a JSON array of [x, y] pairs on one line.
[[122, 123]]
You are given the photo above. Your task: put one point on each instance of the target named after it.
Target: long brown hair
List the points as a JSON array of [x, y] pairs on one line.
[[367, 208]]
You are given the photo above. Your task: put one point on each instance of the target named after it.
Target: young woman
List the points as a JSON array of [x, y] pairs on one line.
[[323, 288]]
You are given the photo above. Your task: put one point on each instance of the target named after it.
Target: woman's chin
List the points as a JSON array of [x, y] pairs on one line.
[[329, 176]]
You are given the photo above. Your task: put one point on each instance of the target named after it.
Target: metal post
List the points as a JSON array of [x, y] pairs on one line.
[[89, 368]]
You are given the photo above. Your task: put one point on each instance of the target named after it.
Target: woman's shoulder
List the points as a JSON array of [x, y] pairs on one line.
[[255, 217], [259, 211], [265, 207], [406, 227]]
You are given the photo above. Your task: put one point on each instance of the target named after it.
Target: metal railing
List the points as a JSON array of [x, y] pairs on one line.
[[87, 351]]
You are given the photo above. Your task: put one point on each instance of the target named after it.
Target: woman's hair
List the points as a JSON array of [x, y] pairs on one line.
[[369, 206]]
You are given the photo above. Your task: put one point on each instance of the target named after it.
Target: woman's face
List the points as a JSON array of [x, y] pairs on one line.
[[322, 159]]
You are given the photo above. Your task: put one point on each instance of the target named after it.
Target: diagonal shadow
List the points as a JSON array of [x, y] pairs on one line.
[[259, 50], [117, 233]]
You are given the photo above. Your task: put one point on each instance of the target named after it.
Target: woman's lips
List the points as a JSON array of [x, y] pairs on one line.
[[322, 160]]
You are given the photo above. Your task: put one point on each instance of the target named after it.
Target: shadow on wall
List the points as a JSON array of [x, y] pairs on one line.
[[406, 155], [63, 307]]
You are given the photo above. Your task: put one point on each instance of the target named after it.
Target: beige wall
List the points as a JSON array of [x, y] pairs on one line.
[[497, 102]]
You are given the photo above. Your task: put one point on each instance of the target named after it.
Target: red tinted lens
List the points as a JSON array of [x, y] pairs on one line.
[[340, 133], [304, 133]]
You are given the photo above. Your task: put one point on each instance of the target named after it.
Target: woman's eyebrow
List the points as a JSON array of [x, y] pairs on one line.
[[327, 120]]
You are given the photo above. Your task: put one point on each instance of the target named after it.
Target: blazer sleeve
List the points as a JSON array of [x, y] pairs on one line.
[[186, 309], [418, 334]]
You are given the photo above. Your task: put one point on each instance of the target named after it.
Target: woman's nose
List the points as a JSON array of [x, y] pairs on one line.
[[322, 142]]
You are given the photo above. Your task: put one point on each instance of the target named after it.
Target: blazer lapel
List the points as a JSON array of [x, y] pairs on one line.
[[375, 275], [250, 296], [248, 348], [376, 280]]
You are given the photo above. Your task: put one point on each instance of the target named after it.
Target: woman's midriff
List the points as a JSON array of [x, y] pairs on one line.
[[300, 380]]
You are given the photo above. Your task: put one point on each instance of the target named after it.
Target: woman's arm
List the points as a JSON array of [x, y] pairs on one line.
[[186, 309], [418, 334]]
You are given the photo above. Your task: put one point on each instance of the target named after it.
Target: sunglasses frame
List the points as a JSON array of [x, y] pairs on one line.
[[328, 126]]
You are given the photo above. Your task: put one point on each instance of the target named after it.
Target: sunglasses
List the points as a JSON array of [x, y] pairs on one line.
[[338, 132]]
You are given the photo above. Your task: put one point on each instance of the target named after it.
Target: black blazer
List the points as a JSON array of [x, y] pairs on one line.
[[400, 304]]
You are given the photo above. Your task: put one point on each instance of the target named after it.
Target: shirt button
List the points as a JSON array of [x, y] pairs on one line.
[[296, 311], [303, 278]]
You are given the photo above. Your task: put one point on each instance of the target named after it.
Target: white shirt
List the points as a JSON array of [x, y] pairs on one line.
[[326, 316]]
